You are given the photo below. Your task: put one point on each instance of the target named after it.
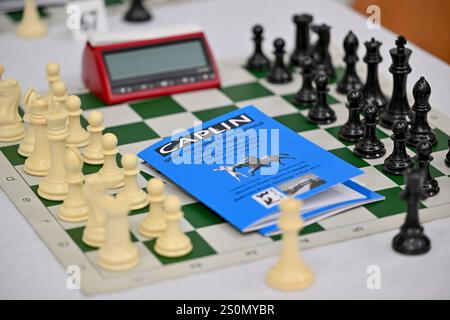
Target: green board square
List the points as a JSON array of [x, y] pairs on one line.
[[391, 205], [156, 107], [16, 16], [296, 122], [200, 249], [334, 131], [290, 98], [263, 73], [209, 114], [339, 74], [11, 154], [246, 91], [77, 236], [442, 141], [139, 211], [399, 180], [199, 215], [312, 228], [113, 2], [91, 168], [347, 155], [89, 101], [47, 203], [132, 132]]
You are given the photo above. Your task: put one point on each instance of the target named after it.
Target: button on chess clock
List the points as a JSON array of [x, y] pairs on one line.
[[120, 67]]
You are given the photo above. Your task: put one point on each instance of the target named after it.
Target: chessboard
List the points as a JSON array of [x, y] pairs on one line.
[[216, 243]]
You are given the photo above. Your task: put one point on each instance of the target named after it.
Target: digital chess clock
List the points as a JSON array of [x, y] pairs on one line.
[[120, 67]]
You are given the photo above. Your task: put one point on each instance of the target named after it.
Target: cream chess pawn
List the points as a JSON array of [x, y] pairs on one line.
[[118, 253], [290, 273], [74, 207], [31, 25], [154, 223], [27, 144], [94, 234], [11, 126], [131, 192], [38, 163], [78, 136], [52, 70], [58, 95], [93, 152], [173, 242], [54, 186], [110, 172]]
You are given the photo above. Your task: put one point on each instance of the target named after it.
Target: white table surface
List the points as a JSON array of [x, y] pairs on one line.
[[29, 270]]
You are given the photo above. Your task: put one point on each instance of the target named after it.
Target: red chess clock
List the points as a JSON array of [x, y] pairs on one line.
[[121, 67]]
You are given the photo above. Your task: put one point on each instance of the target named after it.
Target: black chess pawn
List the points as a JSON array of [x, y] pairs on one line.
[[411, 240], [353, 129], [321, 113], [302, 45], [398, 107], [447, 157], [424, 158], [258, 61], [306, 95], [350, 81], [371, 90], [320, 53], [279, 73], [398, 161], [370, 146], [420, 129], [137, 12]]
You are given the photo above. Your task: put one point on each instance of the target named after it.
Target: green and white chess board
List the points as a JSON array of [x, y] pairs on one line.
[[216, 243]]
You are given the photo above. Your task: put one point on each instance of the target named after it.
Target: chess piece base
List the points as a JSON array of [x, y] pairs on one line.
[[73, 214], [412, 242], [79, 141], [431, 188], [351, 134], [113, 181], [373, 152], [37, 29], [258, 62], [182, 247], [395, 167], [25, 148], [296, 278], [387, 119], [136, 202], [279, 77], [414, 139], [93, 157], [152, 228], [447, 162], [348, 85], [321, 117], [37, 167], [52, 190], [118, 260], [12, 132], [305, 98], [94, 237]]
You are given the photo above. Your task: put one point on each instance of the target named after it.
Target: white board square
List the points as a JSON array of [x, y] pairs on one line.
[[202, 100], [273, 106]]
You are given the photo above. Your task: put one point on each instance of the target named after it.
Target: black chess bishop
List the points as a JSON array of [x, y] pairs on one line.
[[302, 38], [411, 240], [398, 161], [258, 60], [320, 112], [320, 51], [424, 158], [306, 95], [137, 12], [371, 90], [279, 72], [353, 129], [398, 107], [350, 81], [420, 129], [370, 146]]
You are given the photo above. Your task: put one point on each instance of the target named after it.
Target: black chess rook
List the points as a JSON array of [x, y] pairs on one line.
[[399, 160], [302, 38], [321, 113], [398, 107], [370, 146], [371, 90], [353, 129], [350, 81], [258, 60], [420, 129], [411, 240]]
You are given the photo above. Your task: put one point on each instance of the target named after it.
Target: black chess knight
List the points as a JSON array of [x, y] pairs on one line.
[[370, 146], [398, 161], [137, 12], [279, 73], [353, 129], [320, 53], [320, 112], [371, 90], [424, 158], [306, 95], [350, 81], [411, 240], [258, 61], [398, 107], [420, 129], [302, 42]]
